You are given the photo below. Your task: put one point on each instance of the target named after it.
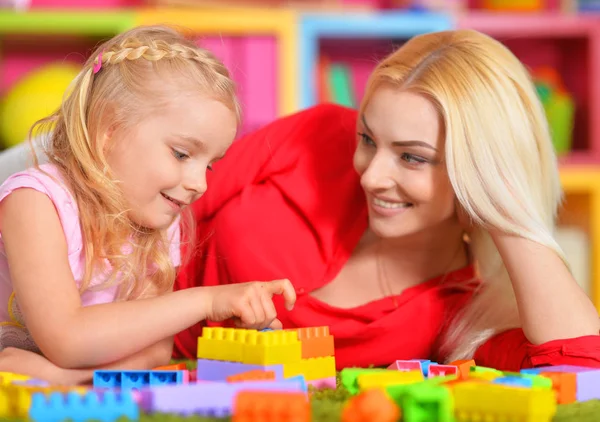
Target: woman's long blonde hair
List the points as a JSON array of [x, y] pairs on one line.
[[123, 82], [499, 157]]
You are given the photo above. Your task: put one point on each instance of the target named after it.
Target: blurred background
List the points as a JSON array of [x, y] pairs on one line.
[[289, 55]]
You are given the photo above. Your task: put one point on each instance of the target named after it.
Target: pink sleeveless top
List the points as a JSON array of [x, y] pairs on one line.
[[13, 332]]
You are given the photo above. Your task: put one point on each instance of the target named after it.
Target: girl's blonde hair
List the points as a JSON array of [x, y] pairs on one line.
[[124, 81], [499, 158]]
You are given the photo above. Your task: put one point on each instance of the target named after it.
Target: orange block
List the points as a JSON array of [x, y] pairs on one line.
[[270, 406], [564, 384], [371, 405], [253, 375], [464, 367], [316, 342], [176, 367]]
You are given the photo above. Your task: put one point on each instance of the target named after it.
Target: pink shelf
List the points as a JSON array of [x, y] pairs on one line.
[[548, 24]]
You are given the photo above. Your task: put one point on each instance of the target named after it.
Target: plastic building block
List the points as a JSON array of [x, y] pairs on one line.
[[253, 375], [406, 365], [437, 370], [316, 342], [330, 382], [514, 381], [9, 378], [485, 401], [370, 406], [15, 400], [209, 399], [175, 367], [214, 370], [136, 379], [221, 344], [366, 381], [312, 369], [249, 346], [423, 402], [262, 406], [349, 377], [484, 373], [564, 384], [587, 379], [464, 367], [104, 407]]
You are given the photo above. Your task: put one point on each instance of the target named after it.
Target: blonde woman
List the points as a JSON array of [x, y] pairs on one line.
[[90, 242], [419, 227]]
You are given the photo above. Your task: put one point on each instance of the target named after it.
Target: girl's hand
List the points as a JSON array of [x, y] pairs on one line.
[[251, 304]]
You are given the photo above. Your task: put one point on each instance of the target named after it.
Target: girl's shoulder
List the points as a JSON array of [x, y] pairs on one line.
[[48, 180]]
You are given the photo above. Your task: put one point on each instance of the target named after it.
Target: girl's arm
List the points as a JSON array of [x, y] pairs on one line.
[[551, 304], [72, 336], [39, 367]]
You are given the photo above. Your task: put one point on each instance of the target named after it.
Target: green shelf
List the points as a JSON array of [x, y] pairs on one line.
[[90, 23]]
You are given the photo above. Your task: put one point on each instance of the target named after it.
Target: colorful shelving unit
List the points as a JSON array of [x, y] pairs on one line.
[[257, 45], [349, 36]]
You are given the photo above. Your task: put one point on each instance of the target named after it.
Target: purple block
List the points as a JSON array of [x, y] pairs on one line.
[[218, 370], [207, 399], [588, 380]]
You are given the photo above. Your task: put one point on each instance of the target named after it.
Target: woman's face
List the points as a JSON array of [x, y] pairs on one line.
[[400, 158]]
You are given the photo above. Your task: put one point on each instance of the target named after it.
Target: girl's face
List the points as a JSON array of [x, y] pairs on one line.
[[400, 158], [162, 162]]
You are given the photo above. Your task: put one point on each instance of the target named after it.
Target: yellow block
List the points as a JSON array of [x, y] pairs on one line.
[[219, 343], [384, 379], [272, 347], [474, 401], [312, 368], [8, 378]]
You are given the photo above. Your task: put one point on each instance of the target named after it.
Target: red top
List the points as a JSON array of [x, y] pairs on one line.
[[287, 203]]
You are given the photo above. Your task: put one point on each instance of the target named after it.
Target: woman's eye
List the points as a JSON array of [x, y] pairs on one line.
[[413, 159]]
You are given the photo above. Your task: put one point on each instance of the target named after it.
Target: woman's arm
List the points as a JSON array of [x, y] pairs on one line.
[[551, 304], [72, 336]]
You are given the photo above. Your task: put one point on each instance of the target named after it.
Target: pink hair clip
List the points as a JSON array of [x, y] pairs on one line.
[[98, 65]]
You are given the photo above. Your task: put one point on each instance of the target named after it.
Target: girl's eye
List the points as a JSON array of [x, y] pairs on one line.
[[180, 155], [413, 159], [366, 139]]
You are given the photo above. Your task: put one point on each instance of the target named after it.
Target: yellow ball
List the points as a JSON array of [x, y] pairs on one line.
[[33, 97]]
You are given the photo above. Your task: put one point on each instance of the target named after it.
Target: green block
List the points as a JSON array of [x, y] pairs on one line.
[[428, 403], [349, 377]]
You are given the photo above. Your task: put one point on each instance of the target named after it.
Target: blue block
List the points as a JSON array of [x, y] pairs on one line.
[[532, 371], [425, 366], [514, 381], [127, 380], [103, 407]]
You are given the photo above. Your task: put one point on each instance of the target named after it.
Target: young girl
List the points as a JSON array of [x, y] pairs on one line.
[[89, 243], [362, 212]]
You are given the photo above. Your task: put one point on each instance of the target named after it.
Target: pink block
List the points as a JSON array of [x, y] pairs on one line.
[[406, 365], [436, 370], [323, 383]]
